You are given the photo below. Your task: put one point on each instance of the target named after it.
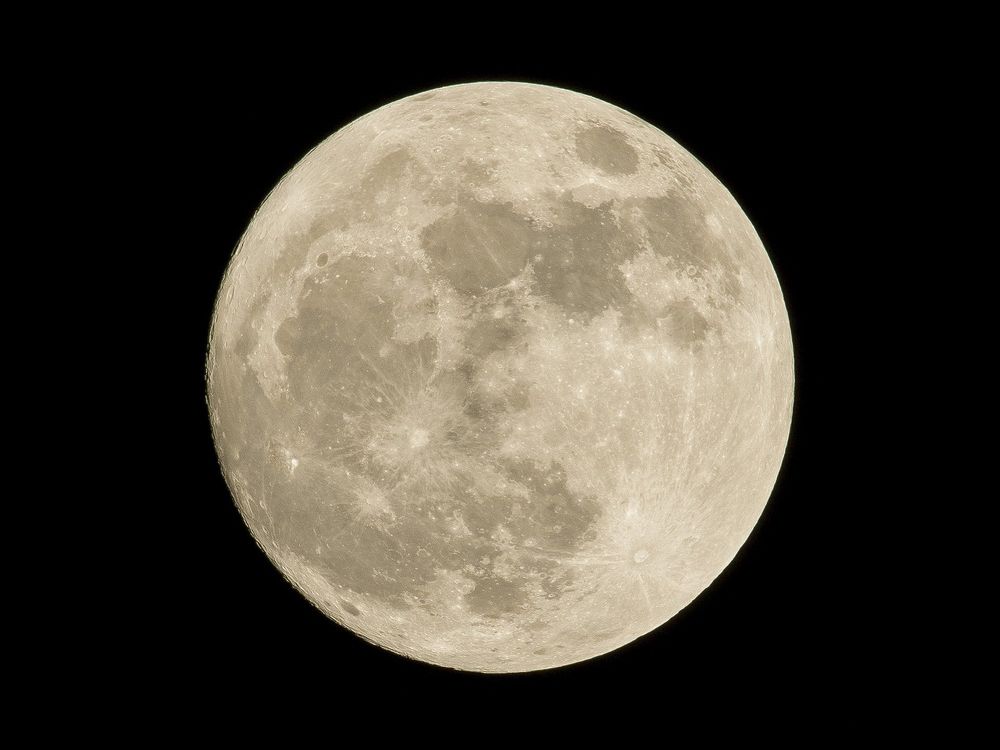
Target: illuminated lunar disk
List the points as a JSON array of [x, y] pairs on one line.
[[500, 377]]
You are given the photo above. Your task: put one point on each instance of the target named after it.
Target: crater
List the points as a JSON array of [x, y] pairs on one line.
[[607, 149], [419, 439], [349, 608]]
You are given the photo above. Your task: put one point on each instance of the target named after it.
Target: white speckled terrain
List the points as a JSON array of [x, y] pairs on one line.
[[500, 377]]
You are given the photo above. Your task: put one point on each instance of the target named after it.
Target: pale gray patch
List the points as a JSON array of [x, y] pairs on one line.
[[478, 172], [386, 172], [576, 263], [480, 246], [494, 334], [495, 597], [685, 323], [607, 149], [340, 309], [675, 226], [575, 260], [326, 222], [552, 515]]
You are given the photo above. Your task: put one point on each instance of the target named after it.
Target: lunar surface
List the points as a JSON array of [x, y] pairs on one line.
[[500, 377]]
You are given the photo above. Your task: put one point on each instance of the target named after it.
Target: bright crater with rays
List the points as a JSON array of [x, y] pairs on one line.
[[500, 377]]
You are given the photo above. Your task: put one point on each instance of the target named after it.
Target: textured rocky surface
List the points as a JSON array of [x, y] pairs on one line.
[[500, 377]]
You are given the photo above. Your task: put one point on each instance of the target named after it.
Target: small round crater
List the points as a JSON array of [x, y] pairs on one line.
[[349, 608], [640, 555], [321, 259]]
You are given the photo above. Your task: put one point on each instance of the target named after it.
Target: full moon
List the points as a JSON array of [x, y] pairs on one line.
[[500, 377]]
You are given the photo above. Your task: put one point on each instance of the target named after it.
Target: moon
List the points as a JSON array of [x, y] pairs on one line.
[[500, 377]]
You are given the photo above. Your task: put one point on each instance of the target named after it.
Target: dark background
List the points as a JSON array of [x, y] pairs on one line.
[[792, 626]]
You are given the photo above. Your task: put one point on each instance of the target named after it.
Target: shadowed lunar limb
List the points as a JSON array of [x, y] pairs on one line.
[[500, 377]]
